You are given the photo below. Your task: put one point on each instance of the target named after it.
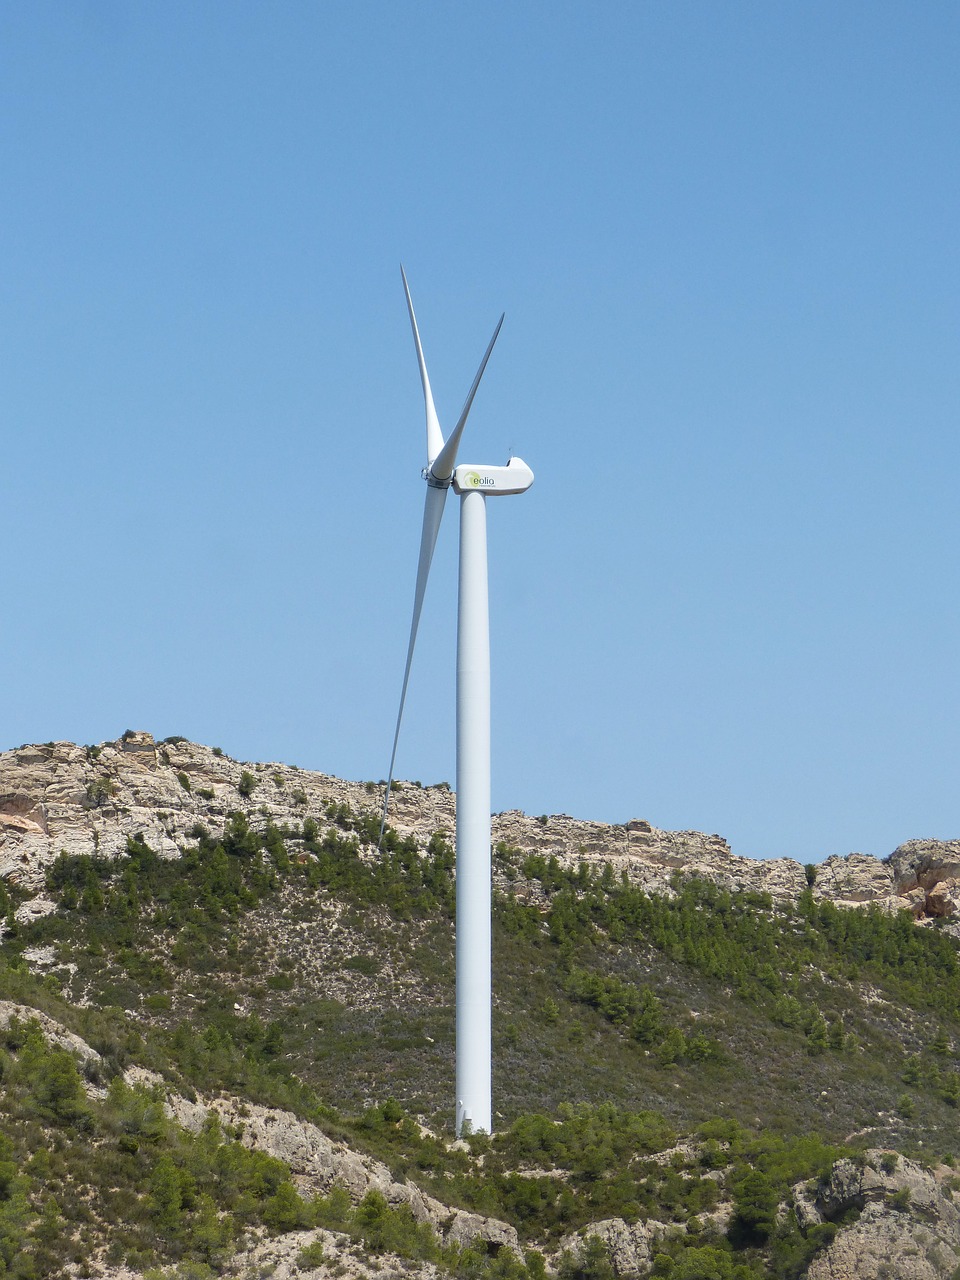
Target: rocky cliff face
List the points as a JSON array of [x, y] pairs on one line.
[[907, 1228], [88, 800]]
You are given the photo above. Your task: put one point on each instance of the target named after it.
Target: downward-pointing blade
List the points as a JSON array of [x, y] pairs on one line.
[[434, 434], [432, 514], [445, 461]]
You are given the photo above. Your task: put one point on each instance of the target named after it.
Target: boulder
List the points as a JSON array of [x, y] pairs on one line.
[[925, 863], [495, 1235]]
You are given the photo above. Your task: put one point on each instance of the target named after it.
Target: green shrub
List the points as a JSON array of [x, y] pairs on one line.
[[99, 791], [755, 1207], [384, 1229], [901, 1199], [311, 1256], [285, 1211], [672, 1048], [591, 1262]]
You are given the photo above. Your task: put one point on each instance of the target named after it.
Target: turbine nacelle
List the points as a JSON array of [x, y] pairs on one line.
[[515, 477]]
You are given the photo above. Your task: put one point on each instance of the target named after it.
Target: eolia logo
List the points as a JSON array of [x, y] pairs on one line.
[[476, 481]]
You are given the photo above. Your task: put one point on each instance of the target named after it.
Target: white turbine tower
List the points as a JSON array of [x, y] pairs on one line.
[[474, 484]]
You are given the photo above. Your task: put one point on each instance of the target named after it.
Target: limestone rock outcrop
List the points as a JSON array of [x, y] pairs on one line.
[[630, 1246], [281, 1258], [908, 1226], [60, 797], [318, 1163], [928, 873], [52, 1030]]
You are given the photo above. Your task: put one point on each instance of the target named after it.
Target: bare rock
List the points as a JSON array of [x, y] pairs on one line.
[[53, 1031], [34, 909], [941, 901], [854, 879], [141, 747], [60, 797], [925, 863], [885, 1245], [18, 822], [630, 1245], [279, 1257], [914, 900], [908, 1228], [927, 876], [496, 1235]]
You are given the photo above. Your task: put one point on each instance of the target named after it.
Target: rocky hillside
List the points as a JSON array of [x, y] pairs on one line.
[[60, 797], [228, 1039]]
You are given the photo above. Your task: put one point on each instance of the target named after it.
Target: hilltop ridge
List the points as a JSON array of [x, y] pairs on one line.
[[61, 797]]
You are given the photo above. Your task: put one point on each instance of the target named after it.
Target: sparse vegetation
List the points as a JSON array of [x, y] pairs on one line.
[[99, 792], [624, 1024]]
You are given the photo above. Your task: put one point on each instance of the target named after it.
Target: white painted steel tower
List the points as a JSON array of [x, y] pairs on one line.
[[474, 484]]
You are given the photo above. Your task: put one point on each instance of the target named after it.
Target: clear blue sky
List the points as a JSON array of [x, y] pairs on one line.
[[726, 239]]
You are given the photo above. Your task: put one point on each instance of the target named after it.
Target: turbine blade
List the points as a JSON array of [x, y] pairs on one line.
[[434, 434], [432, 515], [446, 459]]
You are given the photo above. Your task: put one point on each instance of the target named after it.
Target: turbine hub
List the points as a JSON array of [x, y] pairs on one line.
[[515, 477]]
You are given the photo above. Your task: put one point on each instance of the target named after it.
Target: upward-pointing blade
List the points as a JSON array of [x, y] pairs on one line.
[[441, 459], [432, 514], [445, 461], [434, 434]]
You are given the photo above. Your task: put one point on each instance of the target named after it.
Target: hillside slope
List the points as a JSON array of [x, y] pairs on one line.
[[682, 1021]]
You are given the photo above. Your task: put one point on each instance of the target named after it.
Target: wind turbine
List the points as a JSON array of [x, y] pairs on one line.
[[473, 484]]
